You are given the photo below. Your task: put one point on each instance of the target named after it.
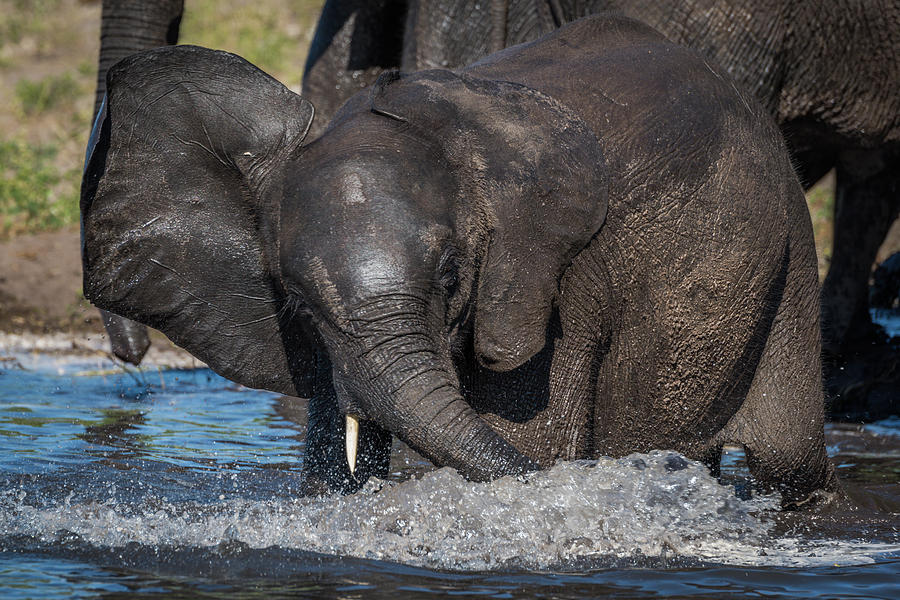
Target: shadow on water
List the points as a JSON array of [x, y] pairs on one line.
[[180, 483]]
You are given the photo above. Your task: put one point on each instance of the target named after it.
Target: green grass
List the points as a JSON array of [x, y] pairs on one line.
[[44, 110], [23, 18], [820, 201], [34, 194], [274, 36], [18, 21], [38, 97]]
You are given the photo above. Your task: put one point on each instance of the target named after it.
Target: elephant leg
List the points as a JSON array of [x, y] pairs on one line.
[[544, 408], [781, 420], [867, 201], [325, 467], [354, 42], [573, 376]]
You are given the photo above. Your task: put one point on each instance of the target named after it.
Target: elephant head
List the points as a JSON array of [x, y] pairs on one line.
[[433, 218]]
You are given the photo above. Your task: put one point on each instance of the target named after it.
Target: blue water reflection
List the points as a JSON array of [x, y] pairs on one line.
[[189, 418]]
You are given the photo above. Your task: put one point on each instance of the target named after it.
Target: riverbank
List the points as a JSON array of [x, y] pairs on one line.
[[43, 310]]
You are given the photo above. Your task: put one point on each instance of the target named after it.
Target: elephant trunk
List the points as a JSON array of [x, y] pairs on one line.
[[128, 340], [443, 426], [129, 26], [409, 388]]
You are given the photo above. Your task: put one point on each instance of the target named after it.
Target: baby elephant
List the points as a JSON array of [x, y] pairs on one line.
[[591, 244]]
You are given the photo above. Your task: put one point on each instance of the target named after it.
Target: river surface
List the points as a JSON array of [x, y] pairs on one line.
[[179, 483]]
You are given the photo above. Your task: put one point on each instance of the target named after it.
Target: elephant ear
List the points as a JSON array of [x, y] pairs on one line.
[[179, 214], [538, 172]]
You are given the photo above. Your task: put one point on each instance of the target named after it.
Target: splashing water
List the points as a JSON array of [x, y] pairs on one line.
[[647, 505], [585, 512]]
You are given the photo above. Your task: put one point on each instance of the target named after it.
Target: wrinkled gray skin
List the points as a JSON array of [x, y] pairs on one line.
[[828, 73], [504, 266], [129, 26]]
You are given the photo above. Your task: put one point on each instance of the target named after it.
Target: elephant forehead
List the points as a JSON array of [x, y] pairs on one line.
[[334, 278], [345, 184], [366, 184], [356, 219], [352, 189], [356, 251]]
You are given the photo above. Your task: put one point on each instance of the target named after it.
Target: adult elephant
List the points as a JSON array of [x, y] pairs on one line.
[[129, 26], [504, 266], [828, 74]]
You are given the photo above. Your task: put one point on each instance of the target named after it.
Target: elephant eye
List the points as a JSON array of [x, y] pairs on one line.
[[448, 271], [294, 306], [450, 282]]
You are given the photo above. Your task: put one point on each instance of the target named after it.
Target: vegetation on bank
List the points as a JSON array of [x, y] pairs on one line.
[[35, 193], [820, 199]]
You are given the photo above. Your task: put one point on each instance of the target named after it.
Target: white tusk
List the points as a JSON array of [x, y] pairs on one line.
[[351, 439]]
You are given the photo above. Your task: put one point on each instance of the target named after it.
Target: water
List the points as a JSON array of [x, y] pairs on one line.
[[179, 482], [889, 319]]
